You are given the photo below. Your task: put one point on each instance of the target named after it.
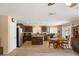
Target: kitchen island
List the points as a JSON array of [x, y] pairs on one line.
[[37, 40]]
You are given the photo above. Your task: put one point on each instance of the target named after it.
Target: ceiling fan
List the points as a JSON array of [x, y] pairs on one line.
[[68, 4], [71, 5], [50, 4]]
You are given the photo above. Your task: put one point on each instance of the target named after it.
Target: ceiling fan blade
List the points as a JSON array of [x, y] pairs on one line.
[[73, 4], [49, 4]]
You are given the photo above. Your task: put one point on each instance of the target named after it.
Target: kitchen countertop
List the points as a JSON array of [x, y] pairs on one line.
[[37, 35]]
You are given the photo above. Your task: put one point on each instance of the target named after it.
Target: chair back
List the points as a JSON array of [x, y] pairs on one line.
[[48, 38], [61, 39]]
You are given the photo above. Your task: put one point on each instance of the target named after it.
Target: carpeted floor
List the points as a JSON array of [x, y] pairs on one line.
[[41, 50]]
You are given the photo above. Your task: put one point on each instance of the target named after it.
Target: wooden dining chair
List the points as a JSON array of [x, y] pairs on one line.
[[60, 42], [64, 43], [49, 41], [53, 42]]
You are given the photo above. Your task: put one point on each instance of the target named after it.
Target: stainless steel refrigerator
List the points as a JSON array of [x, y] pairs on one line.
[[19, 37]]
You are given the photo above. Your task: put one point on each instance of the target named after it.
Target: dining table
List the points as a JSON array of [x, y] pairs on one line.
[[57, 42]]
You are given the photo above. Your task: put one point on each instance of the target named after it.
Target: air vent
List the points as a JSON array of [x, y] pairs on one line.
[[52, 13]]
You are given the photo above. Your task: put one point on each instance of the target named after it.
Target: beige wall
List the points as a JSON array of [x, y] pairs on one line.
[[6, 34], [76, 22]]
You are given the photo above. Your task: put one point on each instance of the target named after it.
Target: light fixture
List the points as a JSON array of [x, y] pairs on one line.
[[68, 4]]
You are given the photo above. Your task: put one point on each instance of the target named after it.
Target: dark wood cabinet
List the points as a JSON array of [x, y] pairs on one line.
[[37, 40], [28, 29], [1, 50], [75, 30], [27, 37], [44, 29], [75, 39]]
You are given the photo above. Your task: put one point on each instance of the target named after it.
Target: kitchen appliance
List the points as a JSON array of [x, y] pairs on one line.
[[19, 37]]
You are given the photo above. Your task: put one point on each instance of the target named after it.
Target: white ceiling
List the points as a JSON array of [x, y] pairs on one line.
[[38, 13]]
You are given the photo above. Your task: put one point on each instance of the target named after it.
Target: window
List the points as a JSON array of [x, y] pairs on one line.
[[37, 29], [66, 31], [53, 30]]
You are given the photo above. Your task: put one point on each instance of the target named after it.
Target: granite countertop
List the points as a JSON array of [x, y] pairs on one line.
[[37, 36]]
